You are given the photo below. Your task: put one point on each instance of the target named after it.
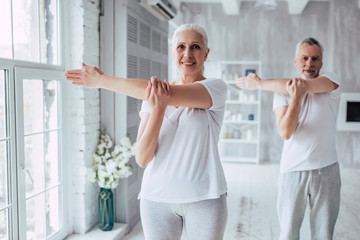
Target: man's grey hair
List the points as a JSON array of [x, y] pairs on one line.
[[190, 26], [310, 41]]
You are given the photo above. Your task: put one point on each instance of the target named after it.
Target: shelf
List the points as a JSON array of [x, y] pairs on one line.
[[234, 140], [229, 82], [240, 102], [240, 137], [249, 122], [238, 159], [118, 232]]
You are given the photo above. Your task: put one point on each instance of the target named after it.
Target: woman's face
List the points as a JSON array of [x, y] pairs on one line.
[[189, 52]]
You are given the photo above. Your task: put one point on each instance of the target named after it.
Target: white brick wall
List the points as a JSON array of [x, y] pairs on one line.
[[84, 112]]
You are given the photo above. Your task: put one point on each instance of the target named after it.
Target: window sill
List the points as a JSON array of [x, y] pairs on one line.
[[95, 233]]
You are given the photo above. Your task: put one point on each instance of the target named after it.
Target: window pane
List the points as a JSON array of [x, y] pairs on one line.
[[35, 218], [26, 30], [48, 32], [51, 159], [33, 106], [2, 104], [4, 231], [52, 211], [40, 105], [51, 105], [3, 174], [34, 164], [5, 26]]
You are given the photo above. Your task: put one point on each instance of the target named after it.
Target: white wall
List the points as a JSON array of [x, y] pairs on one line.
[[82, 28]]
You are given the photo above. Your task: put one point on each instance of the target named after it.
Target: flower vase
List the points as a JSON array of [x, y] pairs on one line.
[[106, 209]]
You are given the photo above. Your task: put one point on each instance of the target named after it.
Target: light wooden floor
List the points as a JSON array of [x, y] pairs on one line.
[[252, 191]]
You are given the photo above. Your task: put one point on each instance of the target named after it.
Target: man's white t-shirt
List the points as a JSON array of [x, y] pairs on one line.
[[186, 165], [312, 145]]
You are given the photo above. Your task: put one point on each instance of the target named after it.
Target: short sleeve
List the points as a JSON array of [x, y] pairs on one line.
[[218, 90], [280, 100], [145, 108], [334, 78]]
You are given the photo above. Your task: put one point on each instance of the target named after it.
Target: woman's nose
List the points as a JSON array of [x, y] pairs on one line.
[[187, 52]]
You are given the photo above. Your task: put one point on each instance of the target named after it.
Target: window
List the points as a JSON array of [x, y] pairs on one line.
[[30, 30], [31, 122], [6, 204], [39, 151], [31, 184]]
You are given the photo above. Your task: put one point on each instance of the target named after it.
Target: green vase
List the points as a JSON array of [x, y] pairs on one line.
[[106, 209]]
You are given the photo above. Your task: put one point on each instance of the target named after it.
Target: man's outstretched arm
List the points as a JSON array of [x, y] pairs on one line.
[[320, 84]]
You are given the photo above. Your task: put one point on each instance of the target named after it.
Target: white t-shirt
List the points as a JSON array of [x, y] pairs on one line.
[[186, 165], [312, 145]]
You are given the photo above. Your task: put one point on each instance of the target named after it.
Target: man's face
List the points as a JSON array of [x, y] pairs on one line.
[[308, 61]]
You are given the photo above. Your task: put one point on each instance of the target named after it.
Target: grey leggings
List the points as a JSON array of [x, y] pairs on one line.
[[320, 189], [198, 220]]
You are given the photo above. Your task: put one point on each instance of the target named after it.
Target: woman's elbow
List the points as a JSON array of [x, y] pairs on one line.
[[141, 160], [286, 137], [141, 164], [285, 134]]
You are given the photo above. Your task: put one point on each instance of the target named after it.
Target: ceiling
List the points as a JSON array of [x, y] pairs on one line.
[[232, 7]]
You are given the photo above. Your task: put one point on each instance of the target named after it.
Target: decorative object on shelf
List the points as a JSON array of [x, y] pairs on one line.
[[247, 71], [251, 98], [266, 5], [249, 134], [110, 164], [251, 117]]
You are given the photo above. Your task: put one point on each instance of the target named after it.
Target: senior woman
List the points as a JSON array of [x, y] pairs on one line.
[[184, 188]]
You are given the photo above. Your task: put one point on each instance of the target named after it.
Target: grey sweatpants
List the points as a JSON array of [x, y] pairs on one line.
[[203, 220], [321, 189]]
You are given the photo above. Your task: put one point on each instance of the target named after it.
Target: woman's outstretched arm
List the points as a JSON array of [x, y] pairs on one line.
[[93, 77], [189, 95]]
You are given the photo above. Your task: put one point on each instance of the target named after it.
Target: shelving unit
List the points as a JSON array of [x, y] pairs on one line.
[[240, 133]]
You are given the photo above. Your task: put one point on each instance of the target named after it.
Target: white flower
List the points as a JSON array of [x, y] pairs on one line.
[[125, 172], [107, 155], [101, 148], [125, 141], [111, 166], [127, 155], [113, 185], [102, 172], [96, 158], [118, 150], [121, 161], [133, 149], [108, 141]]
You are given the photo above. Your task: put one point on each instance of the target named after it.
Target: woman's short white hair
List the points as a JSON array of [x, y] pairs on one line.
[[190, 26]]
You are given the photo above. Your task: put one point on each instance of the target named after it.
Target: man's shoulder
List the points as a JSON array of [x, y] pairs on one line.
[[332, 76]]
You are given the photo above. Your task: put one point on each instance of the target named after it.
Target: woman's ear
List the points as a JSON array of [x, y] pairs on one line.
[[207, 53]]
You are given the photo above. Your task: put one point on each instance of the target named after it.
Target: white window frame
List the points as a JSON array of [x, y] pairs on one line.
[[11, 168], [33, 73]]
